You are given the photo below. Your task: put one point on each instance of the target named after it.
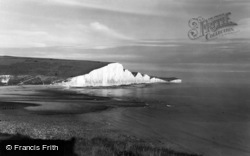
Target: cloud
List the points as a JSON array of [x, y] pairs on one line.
[[243, 29], [96, 26], [20, 38], [244, 22], [144, 7], [93, 35], [101, 23]]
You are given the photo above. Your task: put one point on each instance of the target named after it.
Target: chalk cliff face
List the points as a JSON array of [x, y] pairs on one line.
[[4, 79], [75, 73], [176, 81], [111, 75]]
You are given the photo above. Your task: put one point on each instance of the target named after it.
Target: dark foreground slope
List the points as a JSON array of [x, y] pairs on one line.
[[96, 146], [41, 70]]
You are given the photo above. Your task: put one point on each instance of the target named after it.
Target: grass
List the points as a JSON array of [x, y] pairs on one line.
[[93, 142], [47, 67], [36, 71], [104, 146]]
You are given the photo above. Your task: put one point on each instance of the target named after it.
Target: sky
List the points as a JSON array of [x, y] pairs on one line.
[[149, 36], [101, 24]]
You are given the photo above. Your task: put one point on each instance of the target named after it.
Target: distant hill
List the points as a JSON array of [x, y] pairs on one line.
[[24, 70], [46, 67]]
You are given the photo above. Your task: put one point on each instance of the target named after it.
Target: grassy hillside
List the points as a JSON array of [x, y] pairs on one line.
[[34, 71], [46, 67]]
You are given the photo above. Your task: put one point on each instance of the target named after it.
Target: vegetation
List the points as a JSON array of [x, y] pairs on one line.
[[104, 146], [17, 66]]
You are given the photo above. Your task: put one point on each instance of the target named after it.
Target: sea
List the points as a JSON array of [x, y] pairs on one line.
[[208, 113], [203, 118]]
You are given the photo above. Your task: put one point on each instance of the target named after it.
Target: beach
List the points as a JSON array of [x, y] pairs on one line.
[[202, 119], [49, 112]]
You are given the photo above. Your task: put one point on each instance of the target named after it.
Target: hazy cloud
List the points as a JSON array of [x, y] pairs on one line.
[[108, 31], [101, 24]]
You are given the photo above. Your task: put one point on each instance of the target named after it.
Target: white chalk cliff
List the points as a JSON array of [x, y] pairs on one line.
[[176, 81], [111, 75], [4, 78]]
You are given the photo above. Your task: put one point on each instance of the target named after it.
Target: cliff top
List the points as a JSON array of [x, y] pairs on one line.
[[45, 66]]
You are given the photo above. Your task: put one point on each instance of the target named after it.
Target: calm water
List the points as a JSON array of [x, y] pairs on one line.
[[209, 113], [212, 119], [208, 118]]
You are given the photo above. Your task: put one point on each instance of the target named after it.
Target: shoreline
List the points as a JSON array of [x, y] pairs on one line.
[[42, 98], [85, 127]]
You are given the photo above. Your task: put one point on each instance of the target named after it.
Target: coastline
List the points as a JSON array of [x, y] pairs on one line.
[[86, 127]]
